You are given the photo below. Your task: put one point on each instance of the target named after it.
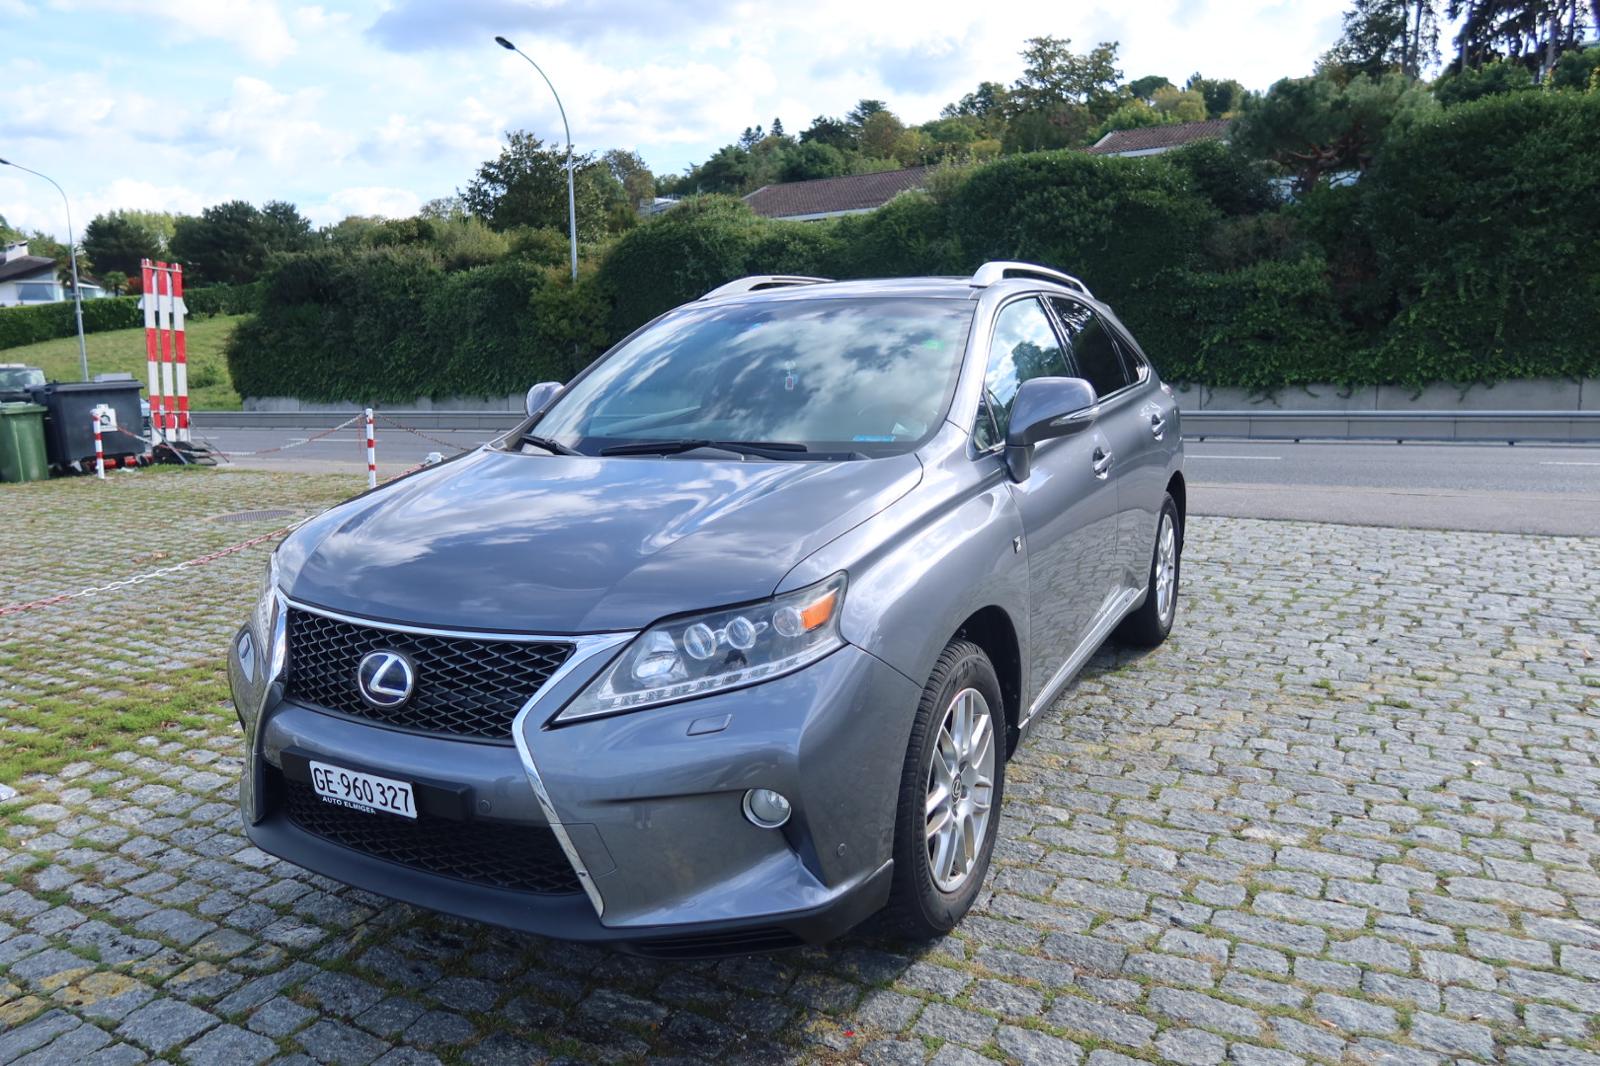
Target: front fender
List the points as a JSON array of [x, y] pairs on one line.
[[925, 564]]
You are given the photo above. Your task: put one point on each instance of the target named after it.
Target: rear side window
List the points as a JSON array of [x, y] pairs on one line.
[[1094, 351], [1025, 346]]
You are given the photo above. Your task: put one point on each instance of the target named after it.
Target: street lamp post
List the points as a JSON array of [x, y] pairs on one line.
[[572, 210], [72, 251]]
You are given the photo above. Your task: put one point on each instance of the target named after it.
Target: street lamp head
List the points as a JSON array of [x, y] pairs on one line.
[[503, 43]]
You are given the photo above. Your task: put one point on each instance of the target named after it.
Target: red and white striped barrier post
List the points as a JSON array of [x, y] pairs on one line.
[[169, 414], [372, 455], [147, 301], [175, 290], [99, 449]]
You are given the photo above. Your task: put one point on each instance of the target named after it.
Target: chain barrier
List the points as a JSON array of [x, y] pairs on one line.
[[386, 420], [347, 423]]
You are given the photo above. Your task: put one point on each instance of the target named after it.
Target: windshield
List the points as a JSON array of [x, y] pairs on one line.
[[20, 377], [871, 377]]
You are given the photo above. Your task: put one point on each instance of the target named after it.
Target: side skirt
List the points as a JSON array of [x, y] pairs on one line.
[[1126, 601]]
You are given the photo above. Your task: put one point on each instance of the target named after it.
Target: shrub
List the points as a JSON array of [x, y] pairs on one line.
[[44, 322]]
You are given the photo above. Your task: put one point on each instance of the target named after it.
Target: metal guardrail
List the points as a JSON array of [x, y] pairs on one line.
[[1492, 426], [326, 420], [1506, 427]]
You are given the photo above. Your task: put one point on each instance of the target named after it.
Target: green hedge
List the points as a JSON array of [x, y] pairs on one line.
[[1486, 225], [47, 322], [390, 325], [1466, 253]]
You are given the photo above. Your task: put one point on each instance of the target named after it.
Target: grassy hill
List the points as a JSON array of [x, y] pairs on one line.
[[210, 387]]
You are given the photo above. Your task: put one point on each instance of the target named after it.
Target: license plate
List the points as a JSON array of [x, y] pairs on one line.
[[362, 792]]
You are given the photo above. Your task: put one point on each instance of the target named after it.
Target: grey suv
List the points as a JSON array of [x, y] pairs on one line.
[[725, 647]]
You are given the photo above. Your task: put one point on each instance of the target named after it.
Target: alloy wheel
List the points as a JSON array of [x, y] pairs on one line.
[[1166, 569], [960, 791]]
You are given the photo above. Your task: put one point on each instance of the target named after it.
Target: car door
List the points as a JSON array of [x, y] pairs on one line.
[[1068, 508], [1134, 417]]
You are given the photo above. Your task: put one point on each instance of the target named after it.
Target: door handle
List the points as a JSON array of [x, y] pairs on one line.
[[1102, 461], [1158, 425]]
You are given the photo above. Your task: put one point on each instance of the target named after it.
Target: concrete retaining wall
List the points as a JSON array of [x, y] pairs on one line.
[[1527, 394]]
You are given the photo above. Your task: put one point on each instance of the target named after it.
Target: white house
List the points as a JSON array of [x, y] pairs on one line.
[[31, 279]]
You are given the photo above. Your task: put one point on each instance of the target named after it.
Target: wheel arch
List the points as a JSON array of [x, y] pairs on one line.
[[991, 629], [1179, 492]]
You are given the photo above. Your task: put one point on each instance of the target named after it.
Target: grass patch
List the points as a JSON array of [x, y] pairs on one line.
[[122, 350]]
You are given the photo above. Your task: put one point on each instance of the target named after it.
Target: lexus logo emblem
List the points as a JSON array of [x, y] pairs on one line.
[[386, 678]]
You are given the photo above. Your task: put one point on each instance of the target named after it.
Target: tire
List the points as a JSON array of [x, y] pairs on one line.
[[1150, 624], [926, 900]]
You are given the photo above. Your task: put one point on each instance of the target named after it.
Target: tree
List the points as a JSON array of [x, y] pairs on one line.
[[1223, 96], [118, 243], [1314, 127], [1054, 75], [989, 103], [630, 171], [1535, 32], [880, 133], [1384, 35], [527, 186], [1041, 131], [829, 131], [231, 242], [1144, 88], [813, 159], [864, 110], [1185, 106]]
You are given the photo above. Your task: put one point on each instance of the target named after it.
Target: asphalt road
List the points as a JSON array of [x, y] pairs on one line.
[[1487, 487]]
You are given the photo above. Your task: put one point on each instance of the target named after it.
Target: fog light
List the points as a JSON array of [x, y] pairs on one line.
[[766, 808]]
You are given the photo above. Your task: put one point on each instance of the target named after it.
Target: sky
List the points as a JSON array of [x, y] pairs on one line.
[[377, 106]]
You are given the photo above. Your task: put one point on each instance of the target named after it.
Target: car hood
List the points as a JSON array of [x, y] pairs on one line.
[[575, 544]]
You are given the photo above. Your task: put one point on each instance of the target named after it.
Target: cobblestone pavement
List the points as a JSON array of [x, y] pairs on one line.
[[1349, 813]]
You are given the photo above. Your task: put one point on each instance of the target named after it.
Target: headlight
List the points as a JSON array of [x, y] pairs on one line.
[[268, 621], [717, 651]]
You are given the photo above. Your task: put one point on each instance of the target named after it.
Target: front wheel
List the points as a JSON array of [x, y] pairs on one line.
[[1150, 624], [951, 786]]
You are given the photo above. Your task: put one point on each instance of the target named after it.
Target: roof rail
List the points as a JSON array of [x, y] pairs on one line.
[[990, 273], [757, 282]]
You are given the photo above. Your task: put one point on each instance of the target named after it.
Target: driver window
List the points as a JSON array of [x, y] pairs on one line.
[[1024, 346]]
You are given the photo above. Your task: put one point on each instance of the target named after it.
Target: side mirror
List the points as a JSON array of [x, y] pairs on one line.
[[540, 395], [1046, 408]]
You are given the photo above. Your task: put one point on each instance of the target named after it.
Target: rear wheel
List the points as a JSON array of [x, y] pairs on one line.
[[1150, 624], [951, 786]]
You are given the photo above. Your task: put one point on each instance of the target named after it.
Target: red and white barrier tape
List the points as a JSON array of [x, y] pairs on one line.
[[139, 579]]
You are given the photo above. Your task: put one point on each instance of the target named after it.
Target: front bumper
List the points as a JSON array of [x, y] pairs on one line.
[[648, 803]]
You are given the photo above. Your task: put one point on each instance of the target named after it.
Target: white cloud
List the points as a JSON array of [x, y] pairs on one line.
[[255, 27], [387, 201]]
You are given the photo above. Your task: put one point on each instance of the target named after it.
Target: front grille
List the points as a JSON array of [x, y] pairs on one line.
[[523, 858], [465, 686]]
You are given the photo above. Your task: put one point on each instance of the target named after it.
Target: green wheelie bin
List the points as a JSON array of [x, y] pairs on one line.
[[22, 456]]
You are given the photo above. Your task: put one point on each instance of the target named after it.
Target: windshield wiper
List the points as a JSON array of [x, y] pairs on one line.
[[548, 445], [674, 447]]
